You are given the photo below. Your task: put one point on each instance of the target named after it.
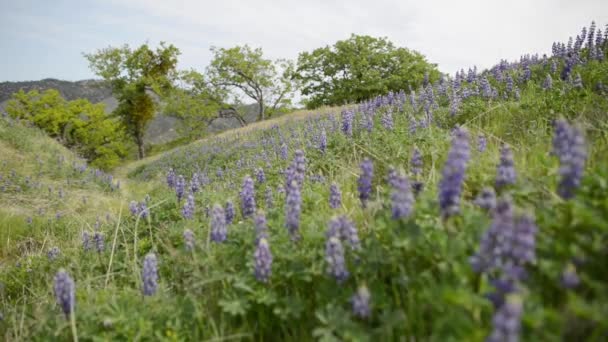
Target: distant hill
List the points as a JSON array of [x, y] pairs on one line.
[[92, 90], [161, 130]]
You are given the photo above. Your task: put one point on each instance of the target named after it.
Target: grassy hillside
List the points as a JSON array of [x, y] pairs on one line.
[[408, 253], [44, 186]]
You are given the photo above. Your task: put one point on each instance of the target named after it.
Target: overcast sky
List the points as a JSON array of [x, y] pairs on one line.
[[41, 38]]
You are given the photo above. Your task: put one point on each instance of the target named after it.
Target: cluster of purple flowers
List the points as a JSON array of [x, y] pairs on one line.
[[188, 209], [453, 174], [401, 197], [64, 289], [570, 147], [219, 232], [229, 210], [149, 275], [335, 196], [247, 198], [189, 241], [345, 230], [505, 173]]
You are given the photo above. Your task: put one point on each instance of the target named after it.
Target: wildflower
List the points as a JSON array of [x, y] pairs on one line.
[[505, 173], [416, 162], [262, 261], [334, 255], [453, 173], [401, 197], [64, 292], [218, 224], [247, 198], [229, 210], [86, 241], [335, 196], [188, 209], [361, 302], [293, 209], [486, 198], [572, 162], [260, 176], [149, 275], [180, 187], [507, 321], [347, 122]]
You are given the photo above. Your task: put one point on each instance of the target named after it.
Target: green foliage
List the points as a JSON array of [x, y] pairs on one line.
[[196, 103], [135, 75], [245, 70], [77, 124], [358, 69]]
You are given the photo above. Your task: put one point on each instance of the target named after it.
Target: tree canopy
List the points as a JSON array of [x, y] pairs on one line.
[[136, 75], [77, 124], [245, 70], [359, 68]]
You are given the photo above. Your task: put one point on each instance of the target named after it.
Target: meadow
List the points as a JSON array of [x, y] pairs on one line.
[[474, 208]]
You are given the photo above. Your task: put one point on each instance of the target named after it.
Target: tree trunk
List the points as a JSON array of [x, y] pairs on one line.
[[261, 114], [139, 139]]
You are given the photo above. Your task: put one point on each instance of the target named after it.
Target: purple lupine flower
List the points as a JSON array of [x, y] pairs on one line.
[[413, 126], [365, 181], [387, 120], [345, 230], [189, 241], [86, 241], [299, 166], [347, 122], [219, 232], [335, 196], [507, 321], [572, 156], [416, 162], [361, 302], [561, 138], [293, 210], [453, 173], [284, 152], [548, 82], [260, 176], [219, 173], [505, 172], [268, 198], [53, 253], [493, 245], [261, 226], [509, 84], [188, 209], [262, 261], [334, 255], [486, 198], [143, 210], [180, 187], [523, 243], [229, 210], [149, 275], [195, 186], [64, 289], [247, 197], [171, 178], [99, 242], [569, 278], [323, 141], [401, 197]]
